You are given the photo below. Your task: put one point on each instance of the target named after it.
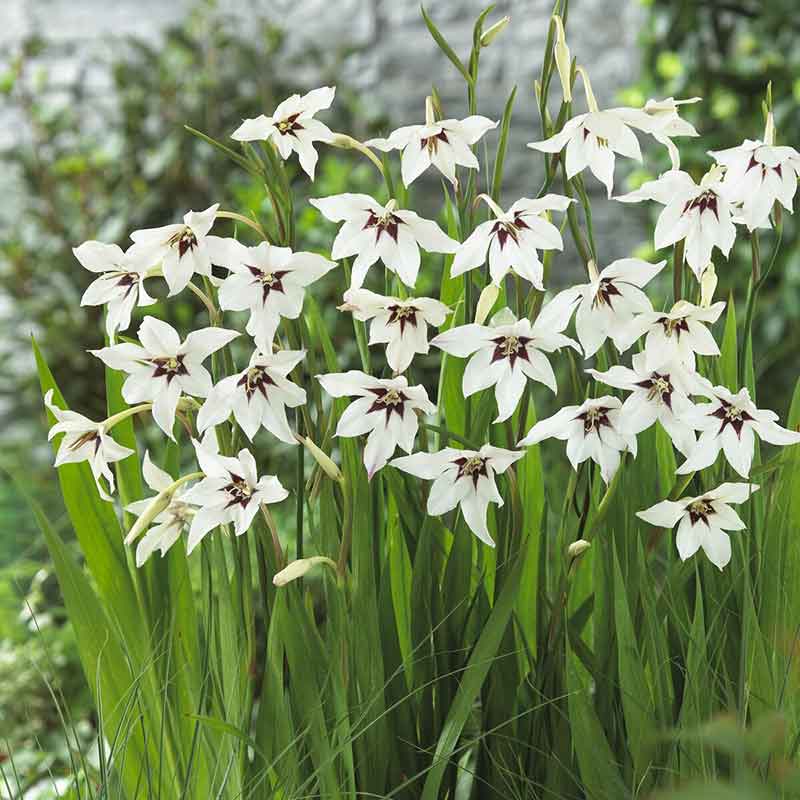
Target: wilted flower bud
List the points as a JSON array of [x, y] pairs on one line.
[[324, 460], [578, 547], [492, 33], [299, 568], [708, 284], [563, 59], [485, 302]]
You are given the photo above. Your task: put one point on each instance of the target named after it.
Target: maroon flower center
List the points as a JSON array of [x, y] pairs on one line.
[[387, 223], [731, 415], [700, 510], [126, 280], [86, 438], [707, 201], [658, 386], [388, 401], [509, 230], [472, 467], [290, 125], [753, 163], [256, 379], [432, 142], [674, 326], [605, 291], [510, 347], [169, 366], [239, 491], [185, 241], [403, 315], [594, 419], [270, 281]]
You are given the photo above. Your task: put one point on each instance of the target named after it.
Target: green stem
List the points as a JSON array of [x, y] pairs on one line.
[[347, 530], [122, 415], [677, 270], [443, 431]]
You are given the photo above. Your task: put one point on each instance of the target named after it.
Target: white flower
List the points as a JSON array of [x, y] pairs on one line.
[[511, 240], [703, 520], [402, 325], [700, 214], [169, 523], [666, 123], [462, 477], [661, 395], [758, 175], [292, 127], [258, 396], [386, 410], [592, 430], [269, 281], [180, 248], [163, 368], [673, 336], [372, 231], [230, 492], [505, 356], [606, 305], [120, 286], [730, 422], [85, 440], [445, 143]]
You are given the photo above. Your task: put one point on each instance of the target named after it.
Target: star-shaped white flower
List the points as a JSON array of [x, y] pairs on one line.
[[591, 430], [704, 520], [162, 368], [506, 356], [386, 409], [445, 143], [606, 305], [730, 422], [85, 440], [120, 285], [258, 396], [372, 231], [673, 336], [757, 176], [230, 493], [170, 523], [292, 127], [656, 395], [402, 325], [512, 240], [181, 248], [665, 123], [462, 477], [269, 281], [699, 214]]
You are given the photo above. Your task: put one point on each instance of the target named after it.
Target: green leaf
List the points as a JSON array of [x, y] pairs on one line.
[[729, 361], [502, 145], [444, 46]]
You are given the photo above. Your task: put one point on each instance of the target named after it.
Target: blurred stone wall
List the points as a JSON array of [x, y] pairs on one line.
[[393, 60]]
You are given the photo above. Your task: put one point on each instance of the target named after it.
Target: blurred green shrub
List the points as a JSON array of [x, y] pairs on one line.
[[727, 51]]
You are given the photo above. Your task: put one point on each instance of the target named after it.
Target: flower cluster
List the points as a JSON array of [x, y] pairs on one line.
[[166, 376]]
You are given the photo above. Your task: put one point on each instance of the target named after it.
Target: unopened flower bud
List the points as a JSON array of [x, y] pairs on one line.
[[160, 502], [578, 547], [485, 302], [563, 59], [324, 460], [494, 31], [299, 568], [769, 130], [708, 284]]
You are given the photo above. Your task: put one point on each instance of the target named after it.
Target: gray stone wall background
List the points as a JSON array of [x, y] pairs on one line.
[[393, 64]]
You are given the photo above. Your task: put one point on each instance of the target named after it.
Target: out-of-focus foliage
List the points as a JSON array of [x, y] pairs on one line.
[[727, 53]]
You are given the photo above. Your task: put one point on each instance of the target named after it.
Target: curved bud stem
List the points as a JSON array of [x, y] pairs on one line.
[[345, 142], [591, 102], [213, 311], [244, 220], [496, 210], [128, 412]]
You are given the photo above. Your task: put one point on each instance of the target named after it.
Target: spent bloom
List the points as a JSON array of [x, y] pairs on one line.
[[673, 336], [512, 239], [445, 143], [386, 409], [372, 231], [505, 354], [162, 367], [593, 430], [402, 325], [181, 248], [703, 521], [120, 282], [230, 493], [292, 127], [268, 281], [656, 395], [85, 440], [169, 523], [257, 396], [462, 477], [606, 305], [701, 214], [758, 175], [731, 422]]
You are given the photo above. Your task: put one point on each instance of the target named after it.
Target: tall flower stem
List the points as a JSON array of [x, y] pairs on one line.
[[347, 529], [677, 270]]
